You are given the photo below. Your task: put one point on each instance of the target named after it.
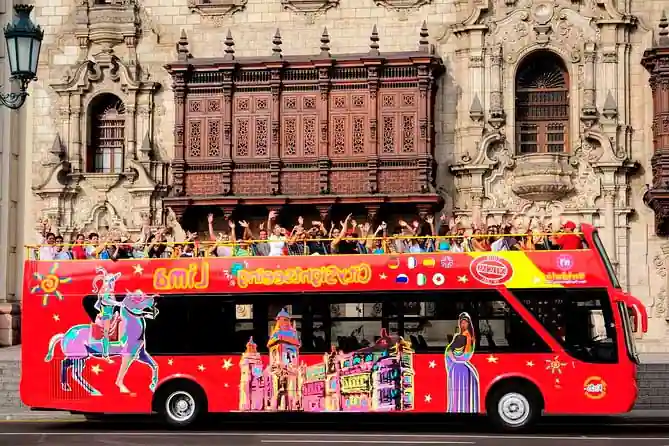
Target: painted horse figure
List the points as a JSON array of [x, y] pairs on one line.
[[84, 341]]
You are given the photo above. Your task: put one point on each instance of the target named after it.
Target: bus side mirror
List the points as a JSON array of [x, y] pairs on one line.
[[639, 320]]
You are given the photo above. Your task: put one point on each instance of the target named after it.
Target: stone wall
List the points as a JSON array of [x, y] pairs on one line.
[[481, 43]]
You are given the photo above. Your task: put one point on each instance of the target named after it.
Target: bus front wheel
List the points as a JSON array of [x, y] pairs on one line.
[[182, 405], [514, 408]]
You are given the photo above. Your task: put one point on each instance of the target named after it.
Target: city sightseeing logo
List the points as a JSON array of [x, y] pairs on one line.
[[565, 262], [594, 388]]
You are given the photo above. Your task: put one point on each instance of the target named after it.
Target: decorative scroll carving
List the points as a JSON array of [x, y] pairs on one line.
[[309, 6], [216, 9], [399, 5], [107, 23], [303, 126]]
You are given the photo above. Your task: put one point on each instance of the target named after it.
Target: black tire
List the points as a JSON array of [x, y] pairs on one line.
[[182, 405], [513, 408]]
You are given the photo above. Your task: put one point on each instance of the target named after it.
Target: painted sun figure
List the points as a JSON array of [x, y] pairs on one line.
[[49, 283], [555, 365]]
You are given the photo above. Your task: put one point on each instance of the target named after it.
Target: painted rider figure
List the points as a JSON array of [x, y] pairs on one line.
[[105, 306]]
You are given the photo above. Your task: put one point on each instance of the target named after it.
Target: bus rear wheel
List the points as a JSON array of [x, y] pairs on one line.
[[513, 409], [182, 406]]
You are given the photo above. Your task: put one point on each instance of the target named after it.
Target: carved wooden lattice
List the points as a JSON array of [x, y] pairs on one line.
[[105, 154], [308, 126], [542, 105]]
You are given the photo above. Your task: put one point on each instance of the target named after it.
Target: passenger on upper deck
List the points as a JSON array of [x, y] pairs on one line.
[[347, 237]]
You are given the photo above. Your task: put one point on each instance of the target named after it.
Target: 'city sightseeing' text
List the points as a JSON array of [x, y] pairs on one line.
[[316, 277]]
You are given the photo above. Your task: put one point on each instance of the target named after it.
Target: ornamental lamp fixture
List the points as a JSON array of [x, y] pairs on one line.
[[24, 41]]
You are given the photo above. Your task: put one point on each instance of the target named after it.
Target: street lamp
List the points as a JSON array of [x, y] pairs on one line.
[[24, 40]]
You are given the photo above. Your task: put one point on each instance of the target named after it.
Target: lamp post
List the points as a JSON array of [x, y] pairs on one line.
[[24, 40]]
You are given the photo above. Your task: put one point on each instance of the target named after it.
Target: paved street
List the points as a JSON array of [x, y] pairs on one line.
[[553, 432]]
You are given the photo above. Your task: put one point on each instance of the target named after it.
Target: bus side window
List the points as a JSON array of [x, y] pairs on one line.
[[193, 325], [580, 319], [497, 326]]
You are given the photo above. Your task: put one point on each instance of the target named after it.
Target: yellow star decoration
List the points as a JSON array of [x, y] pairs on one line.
[[170, 361], [96, 369], [555, 365], [428, 398], [382, 276], [463, 279], [201, 367], [56, 318], [49, 283], [529, 364], [227, 363], [138, 269], [493, 359]]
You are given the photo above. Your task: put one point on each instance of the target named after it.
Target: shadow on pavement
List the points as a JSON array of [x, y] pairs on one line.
[[348, 423]]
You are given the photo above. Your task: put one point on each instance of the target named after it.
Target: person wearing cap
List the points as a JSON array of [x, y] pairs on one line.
[[568, 240]]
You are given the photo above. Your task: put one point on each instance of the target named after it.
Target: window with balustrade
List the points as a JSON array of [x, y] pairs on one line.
[[107, 135], [542, 104]]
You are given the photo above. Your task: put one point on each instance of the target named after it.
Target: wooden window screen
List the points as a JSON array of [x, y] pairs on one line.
[[108, 135], [542, 106]]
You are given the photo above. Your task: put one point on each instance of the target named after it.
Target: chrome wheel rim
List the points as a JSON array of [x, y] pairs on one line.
[[514, 409], [180, 406]]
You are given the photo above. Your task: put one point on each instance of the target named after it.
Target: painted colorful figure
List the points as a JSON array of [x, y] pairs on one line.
[[462, 377], [104, 285], [126, 336]]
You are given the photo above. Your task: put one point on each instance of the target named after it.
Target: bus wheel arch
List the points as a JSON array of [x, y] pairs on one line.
[[514, 403], [180, 401]]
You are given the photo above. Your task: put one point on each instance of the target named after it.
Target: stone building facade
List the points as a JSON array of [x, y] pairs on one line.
[[527, 107]]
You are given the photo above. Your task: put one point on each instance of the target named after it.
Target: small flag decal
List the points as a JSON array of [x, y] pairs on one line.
[[421, 279], [393, 263], [412, 262], [438, 279], [429, 262], [402, 278]]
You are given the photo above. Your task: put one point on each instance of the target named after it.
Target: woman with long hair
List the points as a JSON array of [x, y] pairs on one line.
[[462, 377]]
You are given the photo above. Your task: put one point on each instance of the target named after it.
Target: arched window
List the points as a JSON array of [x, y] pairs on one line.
[[542, 104], [107, 136]]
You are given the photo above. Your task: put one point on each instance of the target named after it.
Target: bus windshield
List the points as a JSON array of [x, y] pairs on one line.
[[607, 262]]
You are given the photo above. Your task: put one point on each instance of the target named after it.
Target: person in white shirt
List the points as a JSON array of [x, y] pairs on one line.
[[47, 240], [277, 241]]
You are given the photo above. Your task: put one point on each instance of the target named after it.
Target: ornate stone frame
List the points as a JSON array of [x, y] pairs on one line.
[[309, 6], [108, 74], [217, 9]]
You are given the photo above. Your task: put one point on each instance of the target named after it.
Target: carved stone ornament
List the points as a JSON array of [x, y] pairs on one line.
[[542, 176], [216, 8], [309, 6], [402, 4], [544, 24], [107, 23], [103, 182]]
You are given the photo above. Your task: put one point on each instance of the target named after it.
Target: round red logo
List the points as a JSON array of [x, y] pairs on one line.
[[594, 388], [491, 270]]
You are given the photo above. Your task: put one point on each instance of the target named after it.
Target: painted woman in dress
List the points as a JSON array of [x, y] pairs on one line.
[[462, 377]]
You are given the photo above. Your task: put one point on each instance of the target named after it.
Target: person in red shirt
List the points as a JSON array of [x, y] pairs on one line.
[[568, 240], [78, 250]]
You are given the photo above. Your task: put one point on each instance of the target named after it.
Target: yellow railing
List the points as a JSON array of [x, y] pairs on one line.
[[237, 247]]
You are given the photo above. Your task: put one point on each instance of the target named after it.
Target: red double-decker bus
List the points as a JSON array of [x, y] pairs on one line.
[[509, 334]]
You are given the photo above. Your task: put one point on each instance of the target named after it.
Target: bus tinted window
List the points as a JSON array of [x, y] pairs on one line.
[[215, 324], [581, 319], [610, 270]]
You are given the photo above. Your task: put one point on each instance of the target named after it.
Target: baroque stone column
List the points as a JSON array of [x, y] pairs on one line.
[[496, 118], [656, 61], [589, 108]]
